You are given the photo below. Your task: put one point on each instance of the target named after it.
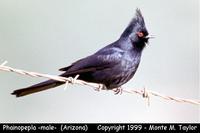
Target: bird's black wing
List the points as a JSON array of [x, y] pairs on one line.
[[105, 58]]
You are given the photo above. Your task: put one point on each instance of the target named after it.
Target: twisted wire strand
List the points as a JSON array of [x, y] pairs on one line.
[[143, 92]]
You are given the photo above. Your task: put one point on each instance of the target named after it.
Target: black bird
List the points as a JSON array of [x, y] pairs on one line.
[[112, 66]]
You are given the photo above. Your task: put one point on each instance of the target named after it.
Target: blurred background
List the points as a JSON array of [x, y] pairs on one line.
[[45, 35]]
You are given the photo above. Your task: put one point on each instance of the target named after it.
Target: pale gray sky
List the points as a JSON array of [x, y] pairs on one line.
[[44, 35]]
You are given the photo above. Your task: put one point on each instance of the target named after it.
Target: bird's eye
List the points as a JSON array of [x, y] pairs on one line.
[[140, 34]]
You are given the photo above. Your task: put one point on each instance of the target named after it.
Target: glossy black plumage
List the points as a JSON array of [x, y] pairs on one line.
[[113, 65]]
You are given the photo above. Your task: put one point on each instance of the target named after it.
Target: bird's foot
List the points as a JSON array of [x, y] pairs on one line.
[[118, 90], [100, 87]]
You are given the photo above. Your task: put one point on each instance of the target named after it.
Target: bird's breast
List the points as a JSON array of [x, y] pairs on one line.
[[130, 61]]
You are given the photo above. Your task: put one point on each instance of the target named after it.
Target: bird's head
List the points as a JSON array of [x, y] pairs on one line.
[[136, 31]]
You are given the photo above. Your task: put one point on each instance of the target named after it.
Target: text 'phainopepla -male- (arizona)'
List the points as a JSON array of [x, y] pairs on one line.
[[112, 66]]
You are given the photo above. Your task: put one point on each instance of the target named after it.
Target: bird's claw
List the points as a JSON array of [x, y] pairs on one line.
[[118, 90], [100, 87]]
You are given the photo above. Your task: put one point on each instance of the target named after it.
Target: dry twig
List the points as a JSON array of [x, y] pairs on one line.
[[144, 92]]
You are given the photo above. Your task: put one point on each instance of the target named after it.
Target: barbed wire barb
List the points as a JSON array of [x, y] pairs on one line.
[[144, 93]]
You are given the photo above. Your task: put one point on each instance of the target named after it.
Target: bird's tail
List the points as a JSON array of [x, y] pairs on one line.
[[37, 88]]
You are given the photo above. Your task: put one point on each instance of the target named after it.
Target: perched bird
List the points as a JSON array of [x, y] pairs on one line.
[[112, 66]]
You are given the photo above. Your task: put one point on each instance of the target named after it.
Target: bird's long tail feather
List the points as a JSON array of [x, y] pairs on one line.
[[37, 88]]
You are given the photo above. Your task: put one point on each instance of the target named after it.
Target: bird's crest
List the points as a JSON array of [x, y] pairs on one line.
[[137, 21]]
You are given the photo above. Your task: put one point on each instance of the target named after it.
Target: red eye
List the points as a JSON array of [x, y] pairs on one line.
[[140, 34]]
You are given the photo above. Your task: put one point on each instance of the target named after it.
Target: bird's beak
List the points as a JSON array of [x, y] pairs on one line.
[[150, 36]]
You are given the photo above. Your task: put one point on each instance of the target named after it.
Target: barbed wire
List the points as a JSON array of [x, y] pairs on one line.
[[143, 92]]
